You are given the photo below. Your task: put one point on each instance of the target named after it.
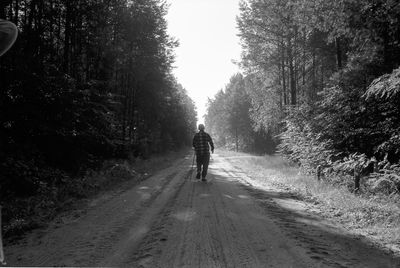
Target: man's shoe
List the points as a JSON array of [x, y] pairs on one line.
[[203, 179], [198, 176]]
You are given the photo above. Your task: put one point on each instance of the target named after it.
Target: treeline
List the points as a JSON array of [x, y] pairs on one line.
[[228, 119], [324, 79], [87, 80]]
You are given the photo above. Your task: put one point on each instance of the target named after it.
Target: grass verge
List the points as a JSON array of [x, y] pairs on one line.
[[373, 216]]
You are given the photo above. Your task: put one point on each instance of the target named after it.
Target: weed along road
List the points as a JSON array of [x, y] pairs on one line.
[[173, 220]]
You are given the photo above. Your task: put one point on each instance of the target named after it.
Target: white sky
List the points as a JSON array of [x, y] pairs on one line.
[[207, 33]]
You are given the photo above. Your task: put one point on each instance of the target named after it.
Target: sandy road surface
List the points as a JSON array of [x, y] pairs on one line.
[[172, 220]]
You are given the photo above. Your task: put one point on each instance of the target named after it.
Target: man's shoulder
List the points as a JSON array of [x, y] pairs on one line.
[[196, 136], [204, 133]]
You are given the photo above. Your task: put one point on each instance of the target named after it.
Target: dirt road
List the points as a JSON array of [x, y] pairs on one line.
[[173, 220]]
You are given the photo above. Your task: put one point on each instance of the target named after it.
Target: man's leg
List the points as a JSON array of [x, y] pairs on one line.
[[206, 161], [198, 162]]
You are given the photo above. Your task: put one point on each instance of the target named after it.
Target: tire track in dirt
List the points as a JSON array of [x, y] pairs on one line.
[[92, 237], [108, 242], [228, 233], [140, 246], [260, 241], [200, 244], [151, 247], [214, 224], [101, 241], [157, 233]]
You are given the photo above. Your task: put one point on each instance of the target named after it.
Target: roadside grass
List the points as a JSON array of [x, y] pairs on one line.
[[24, 214], [373, 215]]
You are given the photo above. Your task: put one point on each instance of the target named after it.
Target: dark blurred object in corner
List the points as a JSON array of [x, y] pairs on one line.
[[8, 35]]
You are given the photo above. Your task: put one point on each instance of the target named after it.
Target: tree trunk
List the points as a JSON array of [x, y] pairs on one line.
[[125, 106], [386, 54], [357, 179], [338, 53], [67, 37], [237, 139], [293, 90], [3, 5], [279, 90], [16, 12], [283, 74], [296, 63], [304, 63]]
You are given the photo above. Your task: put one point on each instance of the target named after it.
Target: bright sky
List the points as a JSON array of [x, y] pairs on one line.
[[207, 33]]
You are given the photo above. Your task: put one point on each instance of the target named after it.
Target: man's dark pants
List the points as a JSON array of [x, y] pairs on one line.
[[202, 160]]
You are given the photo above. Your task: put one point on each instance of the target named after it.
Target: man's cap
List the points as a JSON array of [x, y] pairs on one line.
[[201, 127]]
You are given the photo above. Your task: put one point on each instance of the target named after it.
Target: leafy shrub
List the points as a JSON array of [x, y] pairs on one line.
[[300, 143], [385, 87], [386, 181]]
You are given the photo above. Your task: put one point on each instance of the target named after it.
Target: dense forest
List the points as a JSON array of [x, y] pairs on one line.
[[86, 81], [321, 78]]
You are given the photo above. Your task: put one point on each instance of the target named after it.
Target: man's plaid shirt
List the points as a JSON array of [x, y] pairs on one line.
[[202, 142]]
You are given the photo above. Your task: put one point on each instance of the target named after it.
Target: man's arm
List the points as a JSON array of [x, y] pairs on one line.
[[194, 142], [210, 141]]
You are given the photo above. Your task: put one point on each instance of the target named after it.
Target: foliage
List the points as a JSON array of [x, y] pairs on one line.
[[385, 87], [324, 77], [85, 82], [302, 145], [387, 181], [228, 119]]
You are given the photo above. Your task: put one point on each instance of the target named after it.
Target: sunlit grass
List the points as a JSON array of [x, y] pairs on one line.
[[376, 216]]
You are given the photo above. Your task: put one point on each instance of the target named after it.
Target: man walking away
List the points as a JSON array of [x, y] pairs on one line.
[[202, 143]]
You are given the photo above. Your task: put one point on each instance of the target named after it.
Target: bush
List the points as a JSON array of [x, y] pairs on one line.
[[301, 144]]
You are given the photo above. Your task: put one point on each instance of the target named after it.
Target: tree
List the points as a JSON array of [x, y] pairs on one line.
[[86, 81], [310, 65], [228, 118]]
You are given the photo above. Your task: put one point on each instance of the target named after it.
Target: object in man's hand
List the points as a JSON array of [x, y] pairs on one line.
[[8, 35]]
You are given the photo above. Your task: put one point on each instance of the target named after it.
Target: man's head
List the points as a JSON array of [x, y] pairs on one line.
[[201, 127]]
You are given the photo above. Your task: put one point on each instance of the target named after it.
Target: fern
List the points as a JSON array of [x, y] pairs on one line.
[[385, 86], [387, 180]]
